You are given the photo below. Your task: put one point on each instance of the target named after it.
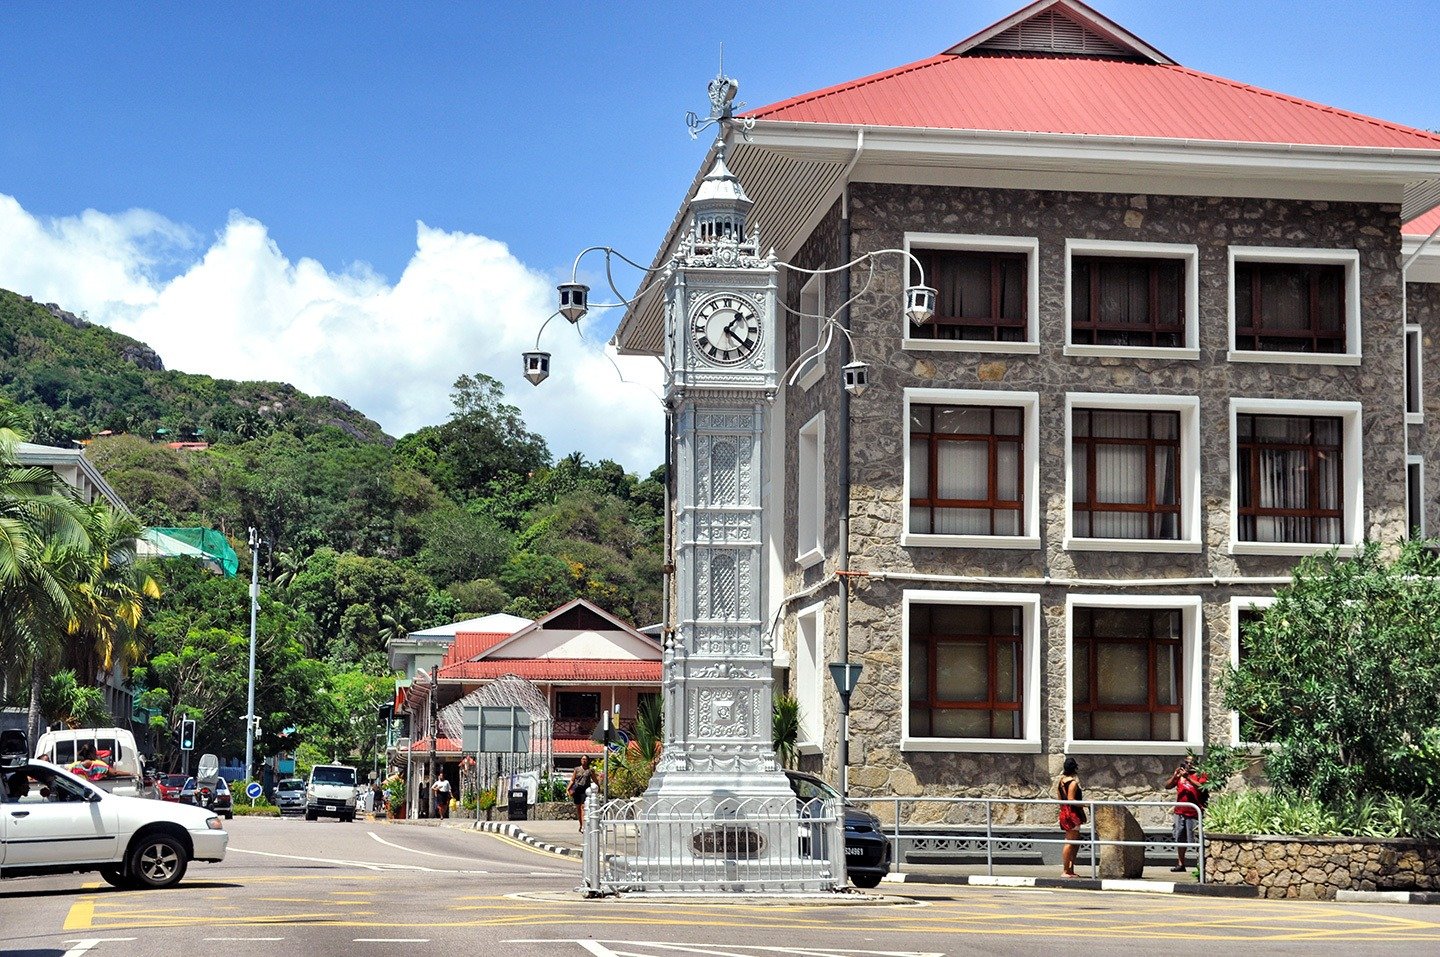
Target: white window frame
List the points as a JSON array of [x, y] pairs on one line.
[[1189, 408], [810, 670], [1187, 253], [1237, 605], [1349, 258], [1029, 403], [810, 492], [812, 303], [1416, 462], [1193, 711], [1353, 462], [1029, 245], [1029, 742], [1414, 348]]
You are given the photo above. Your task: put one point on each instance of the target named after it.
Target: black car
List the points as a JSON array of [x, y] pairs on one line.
[[867, 850]]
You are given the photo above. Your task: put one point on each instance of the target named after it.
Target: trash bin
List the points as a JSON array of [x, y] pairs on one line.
[[519, 804]]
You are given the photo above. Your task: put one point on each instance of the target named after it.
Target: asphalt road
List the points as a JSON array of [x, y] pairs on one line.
[[292, 887]]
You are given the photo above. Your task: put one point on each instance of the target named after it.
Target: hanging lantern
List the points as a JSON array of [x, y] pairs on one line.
[[919, 304], [537, 367], [856, 376], [574, 300]]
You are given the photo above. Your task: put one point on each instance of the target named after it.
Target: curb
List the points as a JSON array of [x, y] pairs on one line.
[[1083, 884], [1388, 897], [515, 832]]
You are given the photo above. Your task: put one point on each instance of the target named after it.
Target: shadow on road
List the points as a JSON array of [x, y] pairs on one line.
[[96, 891]]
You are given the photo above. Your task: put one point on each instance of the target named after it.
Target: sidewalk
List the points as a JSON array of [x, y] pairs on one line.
[[564, 838]]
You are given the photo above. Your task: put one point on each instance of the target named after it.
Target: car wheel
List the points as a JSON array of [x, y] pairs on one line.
[[866, 880], [309, 815], [347, 818], [229, 815], [115, 877], [156, 860]]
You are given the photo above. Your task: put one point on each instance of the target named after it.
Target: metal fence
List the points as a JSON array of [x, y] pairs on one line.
[[911, 834], [696, 846]]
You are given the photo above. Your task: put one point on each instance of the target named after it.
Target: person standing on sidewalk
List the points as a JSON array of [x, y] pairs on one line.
[[1072, 816], [441, 791], [1189, 791]]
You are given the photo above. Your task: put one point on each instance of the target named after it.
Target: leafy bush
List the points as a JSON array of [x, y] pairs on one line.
[[1260, 812], [259, 810], [1341, 679], [629, 773]]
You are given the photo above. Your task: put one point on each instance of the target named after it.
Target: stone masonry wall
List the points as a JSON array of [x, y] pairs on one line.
[[1422, 306], [1315, 868], [881, 215]]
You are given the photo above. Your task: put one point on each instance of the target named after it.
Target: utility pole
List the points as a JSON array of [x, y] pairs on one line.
[[255, 544]]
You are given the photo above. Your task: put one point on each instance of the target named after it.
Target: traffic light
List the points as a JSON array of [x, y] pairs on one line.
[[187, 734]]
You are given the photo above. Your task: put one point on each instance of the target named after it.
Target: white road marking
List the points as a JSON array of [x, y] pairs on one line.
[[86, 944], [411, 850]]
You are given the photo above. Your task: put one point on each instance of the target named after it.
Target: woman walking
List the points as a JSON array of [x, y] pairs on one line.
[[580, 780], [1072, 816]]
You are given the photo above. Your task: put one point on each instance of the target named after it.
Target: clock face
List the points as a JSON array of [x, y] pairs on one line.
[[726, 329]]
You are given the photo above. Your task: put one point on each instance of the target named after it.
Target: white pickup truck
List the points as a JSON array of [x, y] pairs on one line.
[[52, 821], [106, 757]]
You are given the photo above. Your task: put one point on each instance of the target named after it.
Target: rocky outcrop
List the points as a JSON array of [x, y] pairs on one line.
[[136, 353]]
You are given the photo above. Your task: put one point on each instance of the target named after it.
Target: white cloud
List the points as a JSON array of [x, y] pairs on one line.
[[239, 308]]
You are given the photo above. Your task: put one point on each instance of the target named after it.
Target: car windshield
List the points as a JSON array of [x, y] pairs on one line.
[[173, 780], [291, 784], [811, 789], [344, 776]]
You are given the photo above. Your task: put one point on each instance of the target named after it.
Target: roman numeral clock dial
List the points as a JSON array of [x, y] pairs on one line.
[[726, 329]]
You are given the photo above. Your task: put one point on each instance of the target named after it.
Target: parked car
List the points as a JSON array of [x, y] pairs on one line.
[[216, 797], [168, 787], [331, 792], [53, 821], [867, 850], [290, 796], [188, 792]]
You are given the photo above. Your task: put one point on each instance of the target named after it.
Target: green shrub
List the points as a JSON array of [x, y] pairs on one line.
[[1262, 812], [259, 810]]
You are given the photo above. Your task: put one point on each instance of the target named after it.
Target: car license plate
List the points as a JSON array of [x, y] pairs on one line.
[[854, 852], [330, 807]]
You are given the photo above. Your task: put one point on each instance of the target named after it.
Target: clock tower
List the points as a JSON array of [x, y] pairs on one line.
[[718, 761]]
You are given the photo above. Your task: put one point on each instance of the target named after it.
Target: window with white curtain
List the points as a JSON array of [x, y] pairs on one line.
[[1290, 478], [810, 675], [1414, 403], [967, 467], [810, 492], [1125, 474], [812, 310]]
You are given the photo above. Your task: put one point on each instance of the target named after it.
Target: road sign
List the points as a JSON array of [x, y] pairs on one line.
[[495, 730], [253, 790]]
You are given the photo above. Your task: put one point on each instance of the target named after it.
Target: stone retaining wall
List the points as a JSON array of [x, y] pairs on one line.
[[1314, 868]]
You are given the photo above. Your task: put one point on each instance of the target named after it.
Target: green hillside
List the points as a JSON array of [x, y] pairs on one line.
[[77, 379]]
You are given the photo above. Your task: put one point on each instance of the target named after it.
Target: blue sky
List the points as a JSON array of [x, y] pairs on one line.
[[314, 137]]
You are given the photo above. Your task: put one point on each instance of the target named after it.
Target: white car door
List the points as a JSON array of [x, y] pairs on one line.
[[55, 822]]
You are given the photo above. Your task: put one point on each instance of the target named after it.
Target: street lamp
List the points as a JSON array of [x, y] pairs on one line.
[[255, 542], [846, 675]]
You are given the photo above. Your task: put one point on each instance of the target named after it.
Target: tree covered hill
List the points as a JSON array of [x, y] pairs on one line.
[[76, 379]]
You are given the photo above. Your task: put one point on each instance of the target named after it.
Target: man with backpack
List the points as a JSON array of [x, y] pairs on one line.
[[1189, 785]]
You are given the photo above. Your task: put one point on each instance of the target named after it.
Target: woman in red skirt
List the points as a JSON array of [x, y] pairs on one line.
[[1072, 816]]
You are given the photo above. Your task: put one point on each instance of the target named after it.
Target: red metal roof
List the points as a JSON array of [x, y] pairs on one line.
[[1086, 95], [442, 746], [575, 746], [1423, 225], [468, 644], [554, 669]]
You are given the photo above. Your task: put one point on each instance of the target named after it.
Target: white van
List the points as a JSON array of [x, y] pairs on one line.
[[330, 791], [106, 757]]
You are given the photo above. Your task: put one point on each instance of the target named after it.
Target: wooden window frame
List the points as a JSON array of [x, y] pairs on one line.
[[995, 322], [1151, 507], [1249, 479], [1311, 339], [991, 501], [993, 641], [1088, 332], [1152, 707]]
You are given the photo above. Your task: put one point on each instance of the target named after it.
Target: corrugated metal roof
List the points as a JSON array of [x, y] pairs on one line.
[[1087, 96], [553, 669], [1422, 226]]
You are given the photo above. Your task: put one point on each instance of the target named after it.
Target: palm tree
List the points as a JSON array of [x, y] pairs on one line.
[[113, 590]]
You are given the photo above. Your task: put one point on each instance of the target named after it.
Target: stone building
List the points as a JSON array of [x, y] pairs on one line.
[[1171, 355]]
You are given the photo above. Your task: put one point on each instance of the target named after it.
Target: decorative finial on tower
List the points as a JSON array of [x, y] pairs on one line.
[[722, 92]]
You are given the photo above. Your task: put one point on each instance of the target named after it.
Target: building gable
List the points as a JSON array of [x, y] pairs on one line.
[[1061, 27]]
